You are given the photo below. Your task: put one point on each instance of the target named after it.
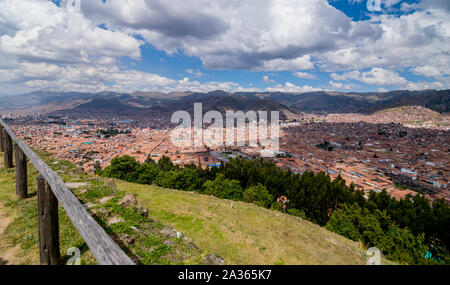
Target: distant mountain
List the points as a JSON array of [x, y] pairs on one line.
[[104, 105], [323, 102], [339, 102], [222, 101]]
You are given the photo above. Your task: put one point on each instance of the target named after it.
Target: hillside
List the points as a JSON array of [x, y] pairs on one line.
[[241, 234], [322, 102], [100, 104]]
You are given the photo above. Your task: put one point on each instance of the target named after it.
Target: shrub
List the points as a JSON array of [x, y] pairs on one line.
[[258, 195]]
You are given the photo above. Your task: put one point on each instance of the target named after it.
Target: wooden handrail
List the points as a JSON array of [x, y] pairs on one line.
[[104, 249]]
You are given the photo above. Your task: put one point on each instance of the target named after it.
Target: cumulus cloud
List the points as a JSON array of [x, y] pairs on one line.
[[290, 87], [38, 30], [376, 76], [266, 79], [305, 75], [386, 77], [43, 45]]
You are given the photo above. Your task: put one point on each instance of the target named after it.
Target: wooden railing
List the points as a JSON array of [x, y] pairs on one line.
[[51, 190]]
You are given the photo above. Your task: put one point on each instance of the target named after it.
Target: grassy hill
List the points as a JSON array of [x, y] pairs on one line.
[[241, 233], [244, 233]]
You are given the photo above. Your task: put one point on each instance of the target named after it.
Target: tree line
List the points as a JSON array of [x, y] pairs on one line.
[[410, 230]]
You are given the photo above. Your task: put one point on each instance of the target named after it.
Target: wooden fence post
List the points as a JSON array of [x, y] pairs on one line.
[[48, 224], [1, 138], [8, 148], [21, 172]]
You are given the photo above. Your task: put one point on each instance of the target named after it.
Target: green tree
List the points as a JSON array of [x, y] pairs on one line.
[[258, 195], [224, 188], [122, 168]]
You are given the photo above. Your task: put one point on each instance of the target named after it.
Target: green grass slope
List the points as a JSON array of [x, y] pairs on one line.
[[243, 233]]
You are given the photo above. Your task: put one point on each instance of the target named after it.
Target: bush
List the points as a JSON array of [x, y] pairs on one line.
[[297, 213], [122, 168], [224, 188], [258, 195]]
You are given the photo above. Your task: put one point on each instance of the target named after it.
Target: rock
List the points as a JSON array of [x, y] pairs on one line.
[[127, 239], [168, 231], [104, 212], [89, 205], [128, 200], [111, 184], [213, 259], [113, 221], [73, 186], [192, 245], [105, 200], [169, 242], [142, 211]]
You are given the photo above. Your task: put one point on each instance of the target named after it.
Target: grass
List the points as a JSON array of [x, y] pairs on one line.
[[245, 233], [23, 230], [139, 236], [241, 233]]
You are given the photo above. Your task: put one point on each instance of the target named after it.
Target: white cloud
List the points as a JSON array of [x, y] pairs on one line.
[[196, 72], [305, 75], [289, 87], [376, 76], [340, 86], [385, 77], [266, 79], [43, 45]]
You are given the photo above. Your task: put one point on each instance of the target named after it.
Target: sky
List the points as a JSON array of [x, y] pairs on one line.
[[231, 45]]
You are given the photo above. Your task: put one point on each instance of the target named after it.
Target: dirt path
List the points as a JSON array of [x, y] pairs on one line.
[[7, 252]]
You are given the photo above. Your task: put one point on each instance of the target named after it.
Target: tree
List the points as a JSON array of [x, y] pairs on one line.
[[165, 164], [224, 188], [258, 195], [122, 168]]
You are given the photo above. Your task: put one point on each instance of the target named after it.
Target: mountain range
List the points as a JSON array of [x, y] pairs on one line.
[[322, 102]]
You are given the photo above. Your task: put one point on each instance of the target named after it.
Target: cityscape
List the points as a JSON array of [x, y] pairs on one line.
[[225, 140]]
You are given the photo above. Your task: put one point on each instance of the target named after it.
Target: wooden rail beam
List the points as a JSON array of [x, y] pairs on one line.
[[8, 149], [48, 224], [21, 172]]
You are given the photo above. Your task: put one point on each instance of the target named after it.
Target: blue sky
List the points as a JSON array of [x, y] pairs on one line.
[[251, 45]]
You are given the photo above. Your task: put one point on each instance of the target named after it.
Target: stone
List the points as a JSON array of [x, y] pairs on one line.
[[127, 239], [104, 212], [192, 245], [105, 200], [142, 211], [89, 205], [74, 186], [168, 231], [128, 200], [111, 184], [113, 221], [169, 242], [213, 259]]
